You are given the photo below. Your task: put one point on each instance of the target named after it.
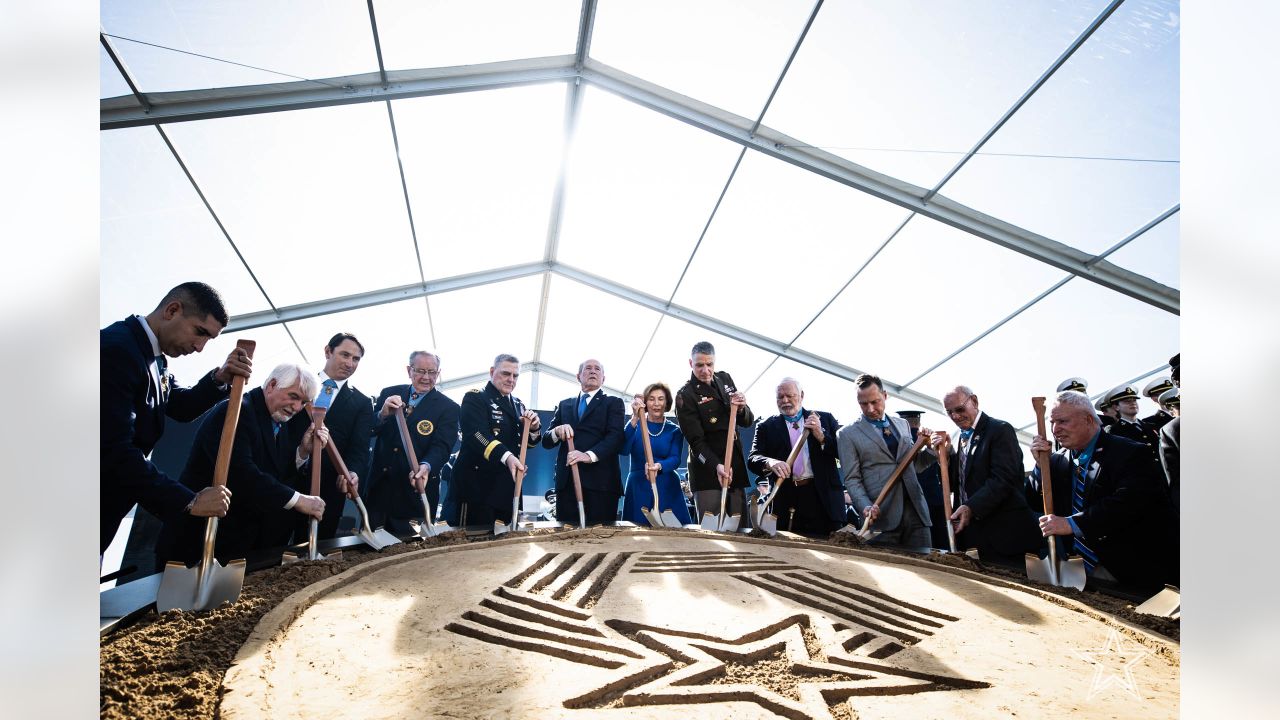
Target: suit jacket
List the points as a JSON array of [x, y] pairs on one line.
[[1127, 519], [772, 440], [132, 415], [261, 477], [433, 427], [866, 464], [993, 478], [350, 423], [489, 431], [1157, 420], [1169, 451], [598, 430], [702, 411]]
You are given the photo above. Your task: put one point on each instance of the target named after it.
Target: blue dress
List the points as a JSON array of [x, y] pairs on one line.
[[667, 443]]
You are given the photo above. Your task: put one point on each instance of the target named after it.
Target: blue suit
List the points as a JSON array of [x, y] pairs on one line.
[[132, 415]]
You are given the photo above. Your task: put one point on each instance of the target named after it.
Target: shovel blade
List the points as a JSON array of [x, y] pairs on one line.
[[769, 523], [848, 528], [180, 587], [1071, 572], [731, 523], [669, 520], [1039, 569], [710, 521], [500, 528], [422, 529], [654, 520]]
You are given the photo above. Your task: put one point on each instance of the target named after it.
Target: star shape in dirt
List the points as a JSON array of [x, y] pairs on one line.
[[772, 667], [1114, 652]]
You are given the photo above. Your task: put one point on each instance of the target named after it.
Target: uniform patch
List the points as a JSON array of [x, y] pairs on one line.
[[425, 427], [473, 390]]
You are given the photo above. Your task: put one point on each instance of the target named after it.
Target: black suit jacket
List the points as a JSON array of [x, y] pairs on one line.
[[772, 440], [489, 431], [349, 420], [132, 415], [703, 413], [433, 426], [598, 430], [1169, 452], [1127, 519], [261, 477], [1002, 522]]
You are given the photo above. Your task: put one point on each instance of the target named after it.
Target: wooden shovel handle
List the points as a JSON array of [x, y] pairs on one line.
[[1046, 488], [223, 462], [728, 444], [648, 448], [524, 449], [795, 449], [577, 481], [317, 419], [405, 439], [944, 462], [902, 465]]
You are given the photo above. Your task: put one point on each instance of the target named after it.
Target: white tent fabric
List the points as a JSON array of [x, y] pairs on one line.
[[573, 179]]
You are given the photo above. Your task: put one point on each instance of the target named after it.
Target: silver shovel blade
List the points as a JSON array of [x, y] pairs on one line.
[[1072, 573], [422, 529], [500, 528], [731, 523], [769, 523], [654, 520], [710, 521], [180, 587], [1039, 569], [669, 520]]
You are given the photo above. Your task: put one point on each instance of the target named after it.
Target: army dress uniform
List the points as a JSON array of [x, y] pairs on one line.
[[491, 427], [703, 413], [432, 419]]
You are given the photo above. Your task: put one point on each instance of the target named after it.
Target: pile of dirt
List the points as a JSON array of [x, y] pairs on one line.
[[171, 665]]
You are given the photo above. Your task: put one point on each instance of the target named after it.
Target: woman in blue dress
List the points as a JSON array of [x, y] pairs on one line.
[[667, 443]]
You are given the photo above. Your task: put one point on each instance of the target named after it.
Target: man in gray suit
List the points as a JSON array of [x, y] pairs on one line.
[[870, 449]]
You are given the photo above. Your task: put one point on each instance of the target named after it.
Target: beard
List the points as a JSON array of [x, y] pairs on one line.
[[281, 416]]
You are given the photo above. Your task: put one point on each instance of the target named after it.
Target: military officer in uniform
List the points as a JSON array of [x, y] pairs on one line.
[[1123, 400], [703, 405], [489, 457], [393, 488], [1153, 391]]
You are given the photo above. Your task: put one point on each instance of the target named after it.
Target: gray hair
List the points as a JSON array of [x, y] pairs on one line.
[[504, 357], [414, 356], [584, 364], [791, 381], [286, 375], [703, 348], [964, 389], [1079, 401]]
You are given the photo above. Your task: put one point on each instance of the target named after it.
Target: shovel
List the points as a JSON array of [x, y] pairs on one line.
[[313, 527], [654, 516], [209, 584], [1047, 569], [766, 520], [1166, 603], [577, 490], [865, 532], [376, 539], [944, 461], [723, 523], [500, 527], [427, 528]]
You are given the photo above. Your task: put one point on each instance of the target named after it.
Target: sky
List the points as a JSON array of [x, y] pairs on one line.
[[312, 204]]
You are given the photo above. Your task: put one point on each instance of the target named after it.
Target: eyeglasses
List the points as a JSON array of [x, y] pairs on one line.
[[957, 409], [420, 372]]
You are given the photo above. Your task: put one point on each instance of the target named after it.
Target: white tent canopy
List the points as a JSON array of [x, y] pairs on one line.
[[939, 193]]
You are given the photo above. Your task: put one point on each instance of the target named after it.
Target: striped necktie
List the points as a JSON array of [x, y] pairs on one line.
[[1077, 505]]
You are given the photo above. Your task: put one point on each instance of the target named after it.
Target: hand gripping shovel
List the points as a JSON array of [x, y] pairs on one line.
[[654, 516], [766, 520], [1048, 570], [577, 491], [722, 523], [376, 539], [865, 532], [210, 583], [426, 528], [500, 527]]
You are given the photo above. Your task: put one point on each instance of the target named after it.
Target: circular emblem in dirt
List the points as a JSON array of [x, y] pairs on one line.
[[667, 624]]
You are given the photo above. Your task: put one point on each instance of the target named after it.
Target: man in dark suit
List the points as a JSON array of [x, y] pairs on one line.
[[594, 421], [990, 511], [491, 421], [136, 394], [1115, 506], [266, 458], [432, 418], [349, 419], [703, 405], [814, 493]]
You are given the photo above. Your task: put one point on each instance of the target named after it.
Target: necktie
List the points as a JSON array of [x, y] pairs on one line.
[[1077, 505], [966, 436], [890, 437], [582, 405], [275, 428], [327, 390]]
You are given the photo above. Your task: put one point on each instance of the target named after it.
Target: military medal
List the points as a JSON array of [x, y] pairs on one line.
[[715, 420], [425, 427], [164, 385]]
